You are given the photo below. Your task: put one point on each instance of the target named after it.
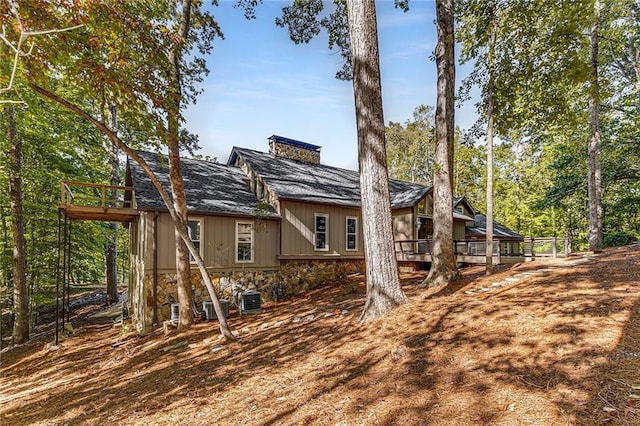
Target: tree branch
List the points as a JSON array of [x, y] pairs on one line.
[[19, 52]]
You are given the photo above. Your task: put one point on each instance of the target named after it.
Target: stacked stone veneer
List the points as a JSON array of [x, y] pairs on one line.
[[294, 153], [293, 277]]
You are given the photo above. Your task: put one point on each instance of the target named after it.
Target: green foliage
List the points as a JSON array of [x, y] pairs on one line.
[[618, 239], [540, 59], [411, 147], [469, 170]]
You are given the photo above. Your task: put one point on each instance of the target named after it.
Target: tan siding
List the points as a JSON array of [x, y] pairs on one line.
[[218, 243], [458, 230], [403, 224], [298, 229]]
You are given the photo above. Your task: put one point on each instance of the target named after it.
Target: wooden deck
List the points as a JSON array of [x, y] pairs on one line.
[[461, 258], [92, 201], [466, 251]]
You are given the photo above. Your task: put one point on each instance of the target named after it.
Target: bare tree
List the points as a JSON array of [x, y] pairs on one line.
[[383, 284], [444, 269], [20, 293], [594, 177], [185, 297], [111, 246], [490, 100]]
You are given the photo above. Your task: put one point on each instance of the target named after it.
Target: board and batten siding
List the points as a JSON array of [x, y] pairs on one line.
[[298, 229], [217, 242], [459, 230]]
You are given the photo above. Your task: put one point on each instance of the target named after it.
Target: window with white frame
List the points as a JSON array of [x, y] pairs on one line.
[[244, 242], [352, 233], [194, 226], [321, 229]]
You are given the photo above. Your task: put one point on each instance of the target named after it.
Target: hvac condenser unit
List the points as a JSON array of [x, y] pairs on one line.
[[210, 313], [175, 313], [249, 302]]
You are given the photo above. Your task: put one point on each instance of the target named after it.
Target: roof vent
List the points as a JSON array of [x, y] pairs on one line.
[[294, 150]]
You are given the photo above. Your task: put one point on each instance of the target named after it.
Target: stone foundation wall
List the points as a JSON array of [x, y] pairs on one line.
[[300, 275], [293, 277]]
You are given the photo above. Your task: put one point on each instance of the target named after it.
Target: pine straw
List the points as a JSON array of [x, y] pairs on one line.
[[559, 346]]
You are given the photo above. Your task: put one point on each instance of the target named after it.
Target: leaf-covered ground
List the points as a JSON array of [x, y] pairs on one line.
[[542, 343]]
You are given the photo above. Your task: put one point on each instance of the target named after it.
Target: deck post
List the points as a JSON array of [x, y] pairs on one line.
[[554, 248], [533, 252]]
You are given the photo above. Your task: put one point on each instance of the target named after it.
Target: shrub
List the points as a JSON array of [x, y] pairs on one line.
[[618, 239]]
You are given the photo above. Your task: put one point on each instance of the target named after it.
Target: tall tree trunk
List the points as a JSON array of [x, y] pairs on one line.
[[383, 284], [111, 247], [6, 272], [185, 297], [594, 180], [20, 293], [490, 94], [633, 47], [444, 269]]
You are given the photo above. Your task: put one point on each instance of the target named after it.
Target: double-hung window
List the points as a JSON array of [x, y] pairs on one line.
[[194, 226], [352, 233], [244, 242], [321, 229]]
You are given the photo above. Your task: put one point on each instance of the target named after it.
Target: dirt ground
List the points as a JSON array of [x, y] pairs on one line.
[[541, 343]]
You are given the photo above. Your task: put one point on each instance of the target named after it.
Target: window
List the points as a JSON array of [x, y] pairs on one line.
[[194, 227], [425, 231], [352, 233], [321, 227], [244, 242]]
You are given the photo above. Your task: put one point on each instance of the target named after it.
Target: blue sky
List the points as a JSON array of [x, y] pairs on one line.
[[261, 83]]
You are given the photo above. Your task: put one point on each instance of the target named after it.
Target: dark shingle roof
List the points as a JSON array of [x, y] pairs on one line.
[[318, 183], [499, 230], [210, 188]]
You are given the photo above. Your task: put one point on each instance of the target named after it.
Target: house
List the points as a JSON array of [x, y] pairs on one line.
[[266, 220], [508, 244]]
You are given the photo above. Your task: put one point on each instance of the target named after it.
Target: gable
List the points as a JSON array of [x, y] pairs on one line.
[[316, 183]]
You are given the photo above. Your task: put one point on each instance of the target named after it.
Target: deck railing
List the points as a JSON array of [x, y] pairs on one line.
[[531, 247], [546, 247], [460, 247], [73, 193]]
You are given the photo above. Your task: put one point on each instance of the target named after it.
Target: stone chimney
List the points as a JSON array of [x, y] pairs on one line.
[[294, 150]]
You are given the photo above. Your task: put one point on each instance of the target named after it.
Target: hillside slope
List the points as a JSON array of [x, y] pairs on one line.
[[541, 343]]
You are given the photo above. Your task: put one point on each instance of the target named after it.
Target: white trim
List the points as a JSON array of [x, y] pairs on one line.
[[326, 231], [252, 249], [200, 245], [347, 233]]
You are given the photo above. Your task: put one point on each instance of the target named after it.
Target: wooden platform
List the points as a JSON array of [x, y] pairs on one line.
[[92, 201], [111, 214]]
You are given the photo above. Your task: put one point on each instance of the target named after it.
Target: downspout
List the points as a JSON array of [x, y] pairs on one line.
[[154, 288]]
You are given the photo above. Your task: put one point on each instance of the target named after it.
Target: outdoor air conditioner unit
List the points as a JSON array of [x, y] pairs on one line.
[[210, 313], [175, 313], [249, 302]]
